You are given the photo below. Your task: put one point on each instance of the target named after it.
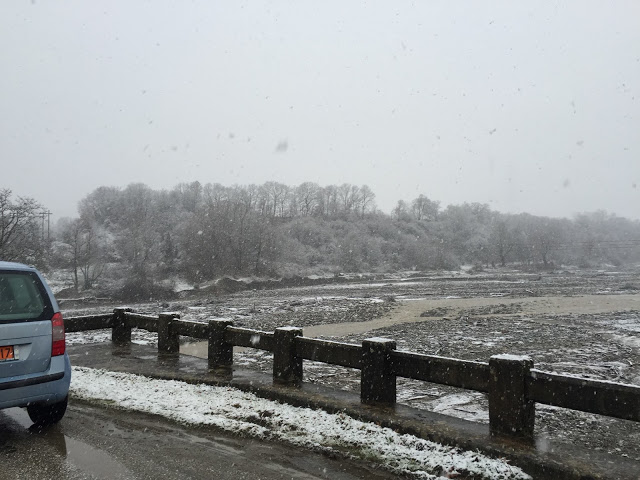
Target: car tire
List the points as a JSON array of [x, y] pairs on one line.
[[47, 414]]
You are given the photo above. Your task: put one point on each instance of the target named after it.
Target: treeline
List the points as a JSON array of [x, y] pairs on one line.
[[201, 232]]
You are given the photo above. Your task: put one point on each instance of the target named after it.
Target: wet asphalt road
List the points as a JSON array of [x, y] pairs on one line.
[[97, 443]]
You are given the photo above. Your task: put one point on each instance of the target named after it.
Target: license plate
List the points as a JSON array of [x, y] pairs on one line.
[[6, 353]]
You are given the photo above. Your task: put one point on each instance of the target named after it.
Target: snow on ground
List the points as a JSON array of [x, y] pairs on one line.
[[59, 280], [461, 405], [245, 413], [180, 285], [138, 336]]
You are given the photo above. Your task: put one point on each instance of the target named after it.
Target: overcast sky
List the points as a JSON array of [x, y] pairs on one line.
[[527, 106]]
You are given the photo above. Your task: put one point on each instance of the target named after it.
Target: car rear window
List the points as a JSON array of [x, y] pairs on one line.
[[23, 297]]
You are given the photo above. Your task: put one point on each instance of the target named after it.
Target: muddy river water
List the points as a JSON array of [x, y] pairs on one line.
[[538, 309]]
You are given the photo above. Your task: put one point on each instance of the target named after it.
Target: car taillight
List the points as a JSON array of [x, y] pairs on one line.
[[58, 345]]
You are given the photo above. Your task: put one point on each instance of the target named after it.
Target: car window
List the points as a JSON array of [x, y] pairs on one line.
[[22, 297]]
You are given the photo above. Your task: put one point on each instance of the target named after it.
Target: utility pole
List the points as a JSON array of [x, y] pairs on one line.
[[48, 226], [42, 215]]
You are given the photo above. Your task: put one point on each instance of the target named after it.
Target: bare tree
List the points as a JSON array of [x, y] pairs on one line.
[[543, 235], [502, 241], [349, 198], [330, 201], [306, 197], [20, 236], [278, 196], [87, 252], [401, 211], [367, 200], [424, 209]]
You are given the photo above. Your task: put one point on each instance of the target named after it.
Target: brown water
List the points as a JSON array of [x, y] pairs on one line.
[[409, 312]]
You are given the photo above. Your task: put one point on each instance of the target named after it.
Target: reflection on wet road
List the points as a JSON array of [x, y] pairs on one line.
[[95, 443]]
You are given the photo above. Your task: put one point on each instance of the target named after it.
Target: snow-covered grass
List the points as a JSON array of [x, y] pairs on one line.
[[138, 336], [245, 413]]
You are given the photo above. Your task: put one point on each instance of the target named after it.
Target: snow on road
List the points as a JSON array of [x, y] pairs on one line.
[[246, 414]]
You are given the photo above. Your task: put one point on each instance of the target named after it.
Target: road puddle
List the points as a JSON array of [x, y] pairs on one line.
[[97, 463], [201, 349]]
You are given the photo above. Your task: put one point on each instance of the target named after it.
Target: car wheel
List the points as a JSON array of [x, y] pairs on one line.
[[47, 414]]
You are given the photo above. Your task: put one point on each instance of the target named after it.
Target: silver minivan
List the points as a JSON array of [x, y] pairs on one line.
[[34, 367]]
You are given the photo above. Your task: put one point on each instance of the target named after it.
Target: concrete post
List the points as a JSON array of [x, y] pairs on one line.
[[510, 413], [220, 353], [168, 338], [120, 332], [287, 367], [378, 382]]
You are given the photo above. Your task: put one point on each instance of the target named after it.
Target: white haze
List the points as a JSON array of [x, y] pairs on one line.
[[526, 106]]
